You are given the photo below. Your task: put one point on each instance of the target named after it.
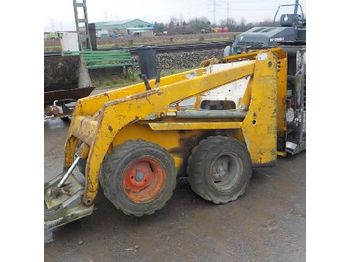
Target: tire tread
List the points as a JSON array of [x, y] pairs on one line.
[[196, 162]]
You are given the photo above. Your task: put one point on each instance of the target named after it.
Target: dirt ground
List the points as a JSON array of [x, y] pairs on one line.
[[266, 224]]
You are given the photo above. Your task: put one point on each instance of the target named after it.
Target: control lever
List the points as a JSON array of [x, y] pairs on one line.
[[145, 80]]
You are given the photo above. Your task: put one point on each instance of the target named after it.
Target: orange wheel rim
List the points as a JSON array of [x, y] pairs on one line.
[[144, 179]]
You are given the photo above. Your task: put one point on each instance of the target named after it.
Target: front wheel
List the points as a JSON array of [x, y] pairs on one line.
[[219, 169], [138, 177]]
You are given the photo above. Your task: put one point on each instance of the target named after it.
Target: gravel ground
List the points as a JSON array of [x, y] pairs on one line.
[[183, 60]]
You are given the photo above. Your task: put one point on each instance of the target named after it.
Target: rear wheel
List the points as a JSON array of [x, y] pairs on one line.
[[219, 169], [138, 177]]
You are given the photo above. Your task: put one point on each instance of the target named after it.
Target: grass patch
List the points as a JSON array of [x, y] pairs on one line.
[[114, 81]]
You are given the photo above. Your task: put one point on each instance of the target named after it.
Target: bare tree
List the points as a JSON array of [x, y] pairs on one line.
[[202, 24]]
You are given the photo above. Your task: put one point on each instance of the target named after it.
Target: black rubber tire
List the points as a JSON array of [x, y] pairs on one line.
[[201, 162], [114, 165]]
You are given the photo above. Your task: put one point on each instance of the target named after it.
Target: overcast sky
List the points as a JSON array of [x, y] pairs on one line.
[[59, 14]]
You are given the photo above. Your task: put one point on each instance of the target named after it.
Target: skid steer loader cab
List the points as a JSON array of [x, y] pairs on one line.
[[132, 142]]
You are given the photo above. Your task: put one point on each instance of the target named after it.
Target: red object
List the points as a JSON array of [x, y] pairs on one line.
[[144, 179]]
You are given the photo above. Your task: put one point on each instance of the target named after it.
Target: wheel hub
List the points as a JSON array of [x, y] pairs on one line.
[[139, 176], [224, 171], [144, 179], [220, 168]]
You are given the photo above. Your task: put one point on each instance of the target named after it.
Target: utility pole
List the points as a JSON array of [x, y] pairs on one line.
[[83, 32], [214, 12], [227, 10], [296, 7]]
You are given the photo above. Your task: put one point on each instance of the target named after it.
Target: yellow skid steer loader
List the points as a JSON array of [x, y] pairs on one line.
[[133, 141]]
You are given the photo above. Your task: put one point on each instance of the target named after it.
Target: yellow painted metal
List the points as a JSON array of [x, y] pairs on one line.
[[282, 153], [177, 140], [281, 95], [90, 105], [245, 100], [85, 128], [197, 102], [109, 119], [83, 150], [280, 53], [174, 141], [70, 147], [260, 124], [281, 56]]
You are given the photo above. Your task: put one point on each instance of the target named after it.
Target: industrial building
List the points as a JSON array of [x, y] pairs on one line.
[[134, 27]]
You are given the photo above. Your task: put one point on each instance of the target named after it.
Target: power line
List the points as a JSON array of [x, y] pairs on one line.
[[214, 12], [215, 5], [227, 10]]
